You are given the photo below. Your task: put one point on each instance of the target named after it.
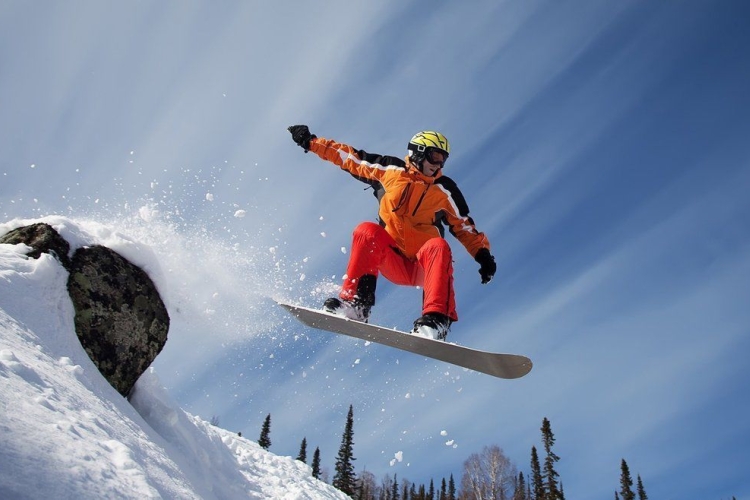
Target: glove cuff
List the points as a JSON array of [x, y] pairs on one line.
[[483, 255], [306, 145]]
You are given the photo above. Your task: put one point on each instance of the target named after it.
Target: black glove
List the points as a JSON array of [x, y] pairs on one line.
[[302, 136], [487, 266]]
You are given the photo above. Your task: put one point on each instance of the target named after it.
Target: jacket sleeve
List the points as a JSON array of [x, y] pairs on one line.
[[366, 167], [456, 215]]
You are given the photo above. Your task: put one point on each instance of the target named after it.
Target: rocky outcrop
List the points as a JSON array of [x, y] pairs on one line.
[[120, 319], [42, 238]]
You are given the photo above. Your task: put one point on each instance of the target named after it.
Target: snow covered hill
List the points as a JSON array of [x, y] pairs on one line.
[[67, 434]]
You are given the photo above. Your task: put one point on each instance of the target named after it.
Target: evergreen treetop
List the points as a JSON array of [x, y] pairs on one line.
[[626, 482], [265, 433], [302, 455], [316, 463], [345, 478], [641, 490], [552, 491]]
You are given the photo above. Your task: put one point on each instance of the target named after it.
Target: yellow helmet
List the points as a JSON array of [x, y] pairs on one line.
[[422, 141]]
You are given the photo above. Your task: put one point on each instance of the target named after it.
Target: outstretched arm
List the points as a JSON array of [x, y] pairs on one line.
[[362, 165], [462, 227]]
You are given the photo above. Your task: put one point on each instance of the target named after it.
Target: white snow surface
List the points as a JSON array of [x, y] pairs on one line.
[[65, 433]]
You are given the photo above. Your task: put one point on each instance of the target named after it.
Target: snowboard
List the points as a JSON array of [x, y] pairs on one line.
[[508, 366]]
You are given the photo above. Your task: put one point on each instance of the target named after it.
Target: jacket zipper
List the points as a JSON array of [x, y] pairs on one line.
[[420, 200], [404, 196]]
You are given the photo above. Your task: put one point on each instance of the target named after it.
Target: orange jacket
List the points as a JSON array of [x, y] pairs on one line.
[[413, 207]]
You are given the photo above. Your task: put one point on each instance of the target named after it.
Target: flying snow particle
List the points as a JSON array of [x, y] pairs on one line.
[[302, 277], [343, 250], [323, 234], [449, 443], [147, 213], [240, 214], [443, 433], [209, 197]]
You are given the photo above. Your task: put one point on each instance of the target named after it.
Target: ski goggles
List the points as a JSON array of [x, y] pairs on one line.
[[436, 157]]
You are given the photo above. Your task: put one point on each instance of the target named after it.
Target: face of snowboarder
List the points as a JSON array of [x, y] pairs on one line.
[[433, 161]]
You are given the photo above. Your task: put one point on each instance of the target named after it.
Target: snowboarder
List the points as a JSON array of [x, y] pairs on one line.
[[415, 202]]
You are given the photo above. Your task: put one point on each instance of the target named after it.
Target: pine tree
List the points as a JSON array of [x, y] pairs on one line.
[[443, 490], [451, 488], [520, 493], [552, 492], [641, 491], [394, 488], [265, 434], [536, 476], [626, 482], [431, 491], [316, 463], [345, 479], [302, 456]]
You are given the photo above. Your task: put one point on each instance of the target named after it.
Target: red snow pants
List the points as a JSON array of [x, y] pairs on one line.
[[375, 251]]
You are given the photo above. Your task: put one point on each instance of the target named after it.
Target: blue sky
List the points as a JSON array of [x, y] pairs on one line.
[[602, 146]]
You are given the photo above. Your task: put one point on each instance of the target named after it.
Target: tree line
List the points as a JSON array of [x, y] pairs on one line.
[[487, 475]]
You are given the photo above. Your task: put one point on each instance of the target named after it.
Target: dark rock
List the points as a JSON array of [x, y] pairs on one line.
[[120, 318], [42, 238]]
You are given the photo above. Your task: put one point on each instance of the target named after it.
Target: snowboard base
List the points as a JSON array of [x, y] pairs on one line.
[[508, 366]]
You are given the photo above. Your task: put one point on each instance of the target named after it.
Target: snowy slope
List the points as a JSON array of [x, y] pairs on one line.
[[66, 433]]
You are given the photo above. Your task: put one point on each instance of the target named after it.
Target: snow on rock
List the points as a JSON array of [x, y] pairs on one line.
[[67, 433]]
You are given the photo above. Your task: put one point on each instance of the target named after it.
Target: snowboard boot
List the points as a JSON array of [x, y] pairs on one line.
[[432, 326], [351, 309]]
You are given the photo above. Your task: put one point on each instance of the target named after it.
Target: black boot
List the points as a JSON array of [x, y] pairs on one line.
[[351, 309], [433, 326]]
